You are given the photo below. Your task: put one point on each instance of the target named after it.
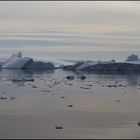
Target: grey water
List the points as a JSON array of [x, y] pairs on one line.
[[33, 102]]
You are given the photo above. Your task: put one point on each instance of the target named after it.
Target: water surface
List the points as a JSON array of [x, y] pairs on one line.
[[32, 103]]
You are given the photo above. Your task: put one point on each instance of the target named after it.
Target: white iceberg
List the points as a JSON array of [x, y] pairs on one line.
[[86, 64], [92, 63], [17, 61]]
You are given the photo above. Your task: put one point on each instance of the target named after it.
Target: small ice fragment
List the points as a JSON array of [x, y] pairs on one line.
[[33, 86], [70, 105], [82, 77], [70, 77], [59, 127]]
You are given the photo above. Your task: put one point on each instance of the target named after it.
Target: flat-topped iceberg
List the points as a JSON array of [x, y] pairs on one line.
[[40, 65], [131, 64], [92, 63], [82, 65]]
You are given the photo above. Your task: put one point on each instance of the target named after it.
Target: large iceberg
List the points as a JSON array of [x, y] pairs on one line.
[[17, 61], [41, 65], [82, 65], [131, 64], [132, 57]]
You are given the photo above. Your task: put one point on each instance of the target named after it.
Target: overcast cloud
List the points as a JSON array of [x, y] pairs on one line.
[[70, 26]]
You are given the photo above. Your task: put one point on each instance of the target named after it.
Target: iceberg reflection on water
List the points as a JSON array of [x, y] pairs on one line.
[[20, 75]]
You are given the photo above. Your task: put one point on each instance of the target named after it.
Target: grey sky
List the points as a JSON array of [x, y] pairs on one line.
[[76, 16], [70, 26]]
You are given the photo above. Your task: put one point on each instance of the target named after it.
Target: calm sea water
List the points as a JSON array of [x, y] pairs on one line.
[[32, 103]]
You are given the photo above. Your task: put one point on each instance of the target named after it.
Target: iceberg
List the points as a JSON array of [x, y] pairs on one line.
[[17, 61], [81, 65], [132, 64], [86, 64], [40, 65], [90, 63], [132, 57]]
